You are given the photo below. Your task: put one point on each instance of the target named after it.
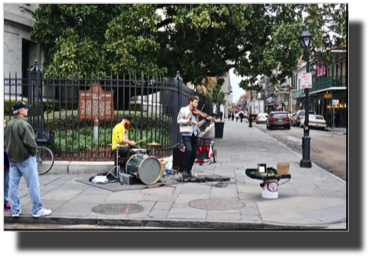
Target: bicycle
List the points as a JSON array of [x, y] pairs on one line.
[[45, 156], [45, 160]]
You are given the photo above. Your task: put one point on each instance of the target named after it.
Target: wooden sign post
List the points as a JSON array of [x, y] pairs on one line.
[[95, 103]]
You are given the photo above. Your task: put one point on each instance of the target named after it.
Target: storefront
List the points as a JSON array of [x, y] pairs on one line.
[[326, 103]]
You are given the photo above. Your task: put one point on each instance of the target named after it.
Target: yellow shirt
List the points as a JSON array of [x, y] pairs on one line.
[[118, 134]]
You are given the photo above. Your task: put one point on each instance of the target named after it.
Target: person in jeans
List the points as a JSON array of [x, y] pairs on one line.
[[21, 149], [188, 128], [7, 206]]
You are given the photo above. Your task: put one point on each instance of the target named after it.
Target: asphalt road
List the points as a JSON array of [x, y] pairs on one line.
[[327, 149]]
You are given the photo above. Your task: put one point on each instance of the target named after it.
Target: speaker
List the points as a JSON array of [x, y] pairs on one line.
[[178, 159]]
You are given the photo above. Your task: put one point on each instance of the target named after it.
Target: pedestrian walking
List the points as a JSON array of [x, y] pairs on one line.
[[232, 115], [21, 149], [241, 115], [336, 118], [237, 116], [229, 115], [221, 115], [7, 206]]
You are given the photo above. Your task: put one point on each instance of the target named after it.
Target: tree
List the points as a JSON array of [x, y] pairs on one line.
[[198, 40]]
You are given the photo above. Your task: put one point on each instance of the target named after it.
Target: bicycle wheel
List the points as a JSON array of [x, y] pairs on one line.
[[45, 160]]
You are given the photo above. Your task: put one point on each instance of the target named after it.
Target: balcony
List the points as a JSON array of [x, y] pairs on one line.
[[336, 81]]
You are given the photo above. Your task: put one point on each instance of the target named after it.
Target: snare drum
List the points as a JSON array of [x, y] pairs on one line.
[[137, 150], [147, 169]]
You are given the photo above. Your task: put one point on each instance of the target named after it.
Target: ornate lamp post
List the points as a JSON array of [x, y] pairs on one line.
[[305, 40]]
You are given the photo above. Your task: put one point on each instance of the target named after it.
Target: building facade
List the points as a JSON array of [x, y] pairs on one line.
[[19, 50], [329, 92]]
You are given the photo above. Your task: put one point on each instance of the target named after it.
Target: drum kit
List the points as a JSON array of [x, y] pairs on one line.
[[144, 167]]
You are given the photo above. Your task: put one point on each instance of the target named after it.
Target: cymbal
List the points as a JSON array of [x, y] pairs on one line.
[[117, 145], [153, 144]]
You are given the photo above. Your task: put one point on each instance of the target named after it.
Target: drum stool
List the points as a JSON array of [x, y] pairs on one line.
[[121, 160]]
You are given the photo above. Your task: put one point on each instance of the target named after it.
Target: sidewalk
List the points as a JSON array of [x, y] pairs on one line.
[[313, 199]]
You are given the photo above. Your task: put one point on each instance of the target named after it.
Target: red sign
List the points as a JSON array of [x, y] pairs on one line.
[[95, 103], [306, 81]]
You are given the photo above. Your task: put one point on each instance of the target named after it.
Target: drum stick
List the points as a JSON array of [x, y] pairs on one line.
[[140, 141]]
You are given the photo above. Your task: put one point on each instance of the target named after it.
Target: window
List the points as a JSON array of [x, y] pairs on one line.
[[280, 116]]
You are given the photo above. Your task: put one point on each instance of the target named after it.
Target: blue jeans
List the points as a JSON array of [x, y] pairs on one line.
[[27, 169], [6, 186]]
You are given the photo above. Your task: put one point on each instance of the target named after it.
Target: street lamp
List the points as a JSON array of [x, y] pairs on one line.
[[250, 111], [305, 40]]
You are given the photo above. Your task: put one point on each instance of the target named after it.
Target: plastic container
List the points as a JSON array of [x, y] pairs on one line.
[[219, 128], [271, 181]]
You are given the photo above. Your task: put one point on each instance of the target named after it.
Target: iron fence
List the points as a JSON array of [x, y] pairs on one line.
[[82, 111]]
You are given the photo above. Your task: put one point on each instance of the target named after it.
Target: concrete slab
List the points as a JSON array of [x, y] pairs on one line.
[[286, 210]]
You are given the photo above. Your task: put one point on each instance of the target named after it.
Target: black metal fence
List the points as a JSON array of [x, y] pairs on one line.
[[82, 111]]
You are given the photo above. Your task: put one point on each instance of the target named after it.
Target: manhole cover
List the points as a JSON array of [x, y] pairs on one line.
[[216, 204], [117, 209], [327, 215]]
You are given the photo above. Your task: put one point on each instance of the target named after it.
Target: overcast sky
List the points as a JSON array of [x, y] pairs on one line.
[[237, 91]]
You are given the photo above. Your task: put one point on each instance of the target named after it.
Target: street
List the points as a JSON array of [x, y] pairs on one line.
[[328, 149]]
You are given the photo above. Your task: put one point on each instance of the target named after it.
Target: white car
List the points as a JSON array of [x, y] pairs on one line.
[[261, 117], [315, 121]]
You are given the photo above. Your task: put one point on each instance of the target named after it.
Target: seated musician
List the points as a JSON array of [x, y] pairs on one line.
[[120, 136]]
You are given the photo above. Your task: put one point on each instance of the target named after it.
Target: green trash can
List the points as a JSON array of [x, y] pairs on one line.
[[219, 127]]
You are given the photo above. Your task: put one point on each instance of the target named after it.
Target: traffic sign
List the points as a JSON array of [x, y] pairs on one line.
[[306, 80]]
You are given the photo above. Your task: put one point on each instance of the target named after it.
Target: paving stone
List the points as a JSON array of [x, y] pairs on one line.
[[74, 209], [61, 195], [85, 198], [222, 216]]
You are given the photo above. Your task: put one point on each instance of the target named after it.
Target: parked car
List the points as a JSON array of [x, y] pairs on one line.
[[261, 117], [297, 118], [315, 121], [278, 119]]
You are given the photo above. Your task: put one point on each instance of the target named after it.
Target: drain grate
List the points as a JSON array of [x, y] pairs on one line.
[[216, 204], [117, 209], [327, 215]]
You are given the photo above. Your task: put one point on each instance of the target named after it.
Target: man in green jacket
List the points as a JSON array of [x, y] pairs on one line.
[[21, 149]]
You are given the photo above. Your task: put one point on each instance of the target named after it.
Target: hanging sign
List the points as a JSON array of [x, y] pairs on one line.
[[306, 80], [335, 102]]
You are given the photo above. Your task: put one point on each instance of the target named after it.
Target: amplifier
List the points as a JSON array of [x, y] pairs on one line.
[[128, 179]]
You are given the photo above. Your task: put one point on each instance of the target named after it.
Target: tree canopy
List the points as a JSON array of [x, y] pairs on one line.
[[198, 40]]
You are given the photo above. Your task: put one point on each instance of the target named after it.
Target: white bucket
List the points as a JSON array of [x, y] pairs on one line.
[[270, 190]]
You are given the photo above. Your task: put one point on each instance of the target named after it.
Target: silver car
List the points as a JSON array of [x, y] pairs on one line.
[[296, 120]]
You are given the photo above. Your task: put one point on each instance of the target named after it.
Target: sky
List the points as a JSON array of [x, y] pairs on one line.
[[236, 90]]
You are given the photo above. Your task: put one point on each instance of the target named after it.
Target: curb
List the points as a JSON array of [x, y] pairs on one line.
[[142, 223]]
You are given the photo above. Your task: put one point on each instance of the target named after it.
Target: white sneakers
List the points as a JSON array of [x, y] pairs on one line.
[[16, 214], [41, 212]]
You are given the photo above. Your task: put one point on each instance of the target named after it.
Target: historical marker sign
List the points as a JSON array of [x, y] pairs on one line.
[[95, 103]]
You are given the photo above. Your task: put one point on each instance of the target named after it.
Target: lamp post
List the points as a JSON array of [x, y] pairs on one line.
[[250, 111], [305, 40]]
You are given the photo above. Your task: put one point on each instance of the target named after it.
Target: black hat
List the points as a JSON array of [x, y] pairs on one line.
[[128, 117], [19, 105]]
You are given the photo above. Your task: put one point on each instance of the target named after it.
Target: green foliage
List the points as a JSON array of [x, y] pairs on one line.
[[198, 40], [61, 121], [84, 140], [8, 106], [215, 94]]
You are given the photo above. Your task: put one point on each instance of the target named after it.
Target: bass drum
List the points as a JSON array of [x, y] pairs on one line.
[[147, 169]]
